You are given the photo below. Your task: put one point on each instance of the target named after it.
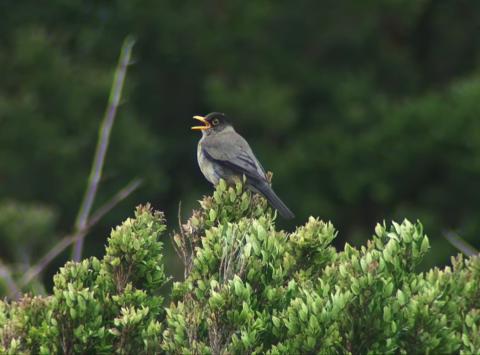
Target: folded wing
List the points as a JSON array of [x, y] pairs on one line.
[[232, 151]]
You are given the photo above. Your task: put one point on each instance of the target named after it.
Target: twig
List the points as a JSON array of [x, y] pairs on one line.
[[13, 290], [174, 244], [102, 144], [460, 244], [115, 200], [181, 251], [69, 239], [180, 227], [179, 218]]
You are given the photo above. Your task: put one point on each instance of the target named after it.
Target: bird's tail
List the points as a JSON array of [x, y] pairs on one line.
[[275, 201]]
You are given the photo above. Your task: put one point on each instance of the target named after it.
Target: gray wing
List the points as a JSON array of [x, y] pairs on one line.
[[232, 151]]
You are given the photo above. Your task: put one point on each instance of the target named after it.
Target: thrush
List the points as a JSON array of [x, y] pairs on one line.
[[224, 154]]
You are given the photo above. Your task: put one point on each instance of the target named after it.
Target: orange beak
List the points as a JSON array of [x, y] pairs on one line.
[[202, 119]]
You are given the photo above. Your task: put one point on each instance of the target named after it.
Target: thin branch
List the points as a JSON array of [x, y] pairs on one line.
[[179, 218], [102, 144], [5, 273], [70, 239], [177, 248], [174, 244], [182, 252], [115, 200], [180, 225], [460, 244], [52, 254]]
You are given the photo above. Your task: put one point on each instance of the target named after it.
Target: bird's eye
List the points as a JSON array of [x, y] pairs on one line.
[[215, 121]]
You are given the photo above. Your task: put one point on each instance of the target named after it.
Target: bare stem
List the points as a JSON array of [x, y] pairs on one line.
[[6, 274], [102, 145], [36, 269], [115, 200], [460, 244]]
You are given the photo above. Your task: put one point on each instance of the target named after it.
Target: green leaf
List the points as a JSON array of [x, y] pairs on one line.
[[402, 300], [212, 215], [425, 245]]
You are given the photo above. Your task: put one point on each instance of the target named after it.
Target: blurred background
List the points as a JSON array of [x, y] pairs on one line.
[[365, 111]]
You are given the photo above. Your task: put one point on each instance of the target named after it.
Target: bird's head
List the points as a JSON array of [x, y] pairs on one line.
[[214, 122]]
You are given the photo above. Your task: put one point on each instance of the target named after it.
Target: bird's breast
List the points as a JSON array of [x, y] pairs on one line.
[[209, 169]]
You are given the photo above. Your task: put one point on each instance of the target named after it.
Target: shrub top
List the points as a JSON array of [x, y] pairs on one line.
[[250, 288]]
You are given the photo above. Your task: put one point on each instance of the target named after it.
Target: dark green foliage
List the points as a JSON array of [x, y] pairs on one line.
[[364, 110], [26, 231], [251, 288], [25, 228]]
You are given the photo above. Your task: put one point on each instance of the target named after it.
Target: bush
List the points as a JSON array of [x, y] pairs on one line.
[[250, 288], [97, 306]]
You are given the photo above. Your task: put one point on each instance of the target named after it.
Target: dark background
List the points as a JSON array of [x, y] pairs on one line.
[[365, 111]]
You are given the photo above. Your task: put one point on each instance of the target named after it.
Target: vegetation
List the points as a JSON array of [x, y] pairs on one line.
[[251, 288], [364, 110]]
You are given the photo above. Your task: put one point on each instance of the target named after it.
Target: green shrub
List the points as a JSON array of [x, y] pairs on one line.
[[250, 288], [97, 306]]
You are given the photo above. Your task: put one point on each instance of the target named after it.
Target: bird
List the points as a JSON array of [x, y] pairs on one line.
[[222, 153]]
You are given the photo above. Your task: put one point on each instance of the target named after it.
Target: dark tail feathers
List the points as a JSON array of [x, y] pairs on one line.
[[275, 201]]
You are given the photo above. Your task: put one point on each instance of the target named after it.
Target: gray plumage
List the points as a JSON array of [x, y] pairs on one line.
[[224, 154]]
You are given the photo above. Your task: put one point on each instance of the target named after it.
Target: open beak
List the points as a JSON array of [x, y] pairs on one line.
[[202, 119]]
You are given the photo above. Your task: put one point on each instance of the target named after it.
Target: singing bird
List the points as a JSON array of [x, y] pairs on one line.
[[224, 154]]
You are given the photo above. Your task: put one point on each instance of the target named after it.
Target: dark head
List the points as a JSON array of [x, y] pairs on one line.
[[214, 122]]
